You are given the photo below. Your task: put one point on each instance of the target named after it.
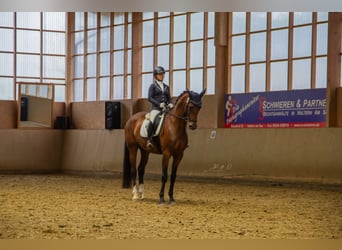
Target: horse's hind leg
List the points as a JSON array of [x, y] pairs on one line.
[[132, 159], [141, 172]]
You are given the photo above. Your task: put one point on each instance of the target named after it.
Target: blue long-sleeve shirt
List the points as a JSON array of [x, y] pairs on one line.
[[156, 95]]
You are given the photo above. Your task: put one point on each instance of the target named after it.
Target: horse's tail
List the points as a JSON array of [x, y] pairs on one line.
[[126, 176]]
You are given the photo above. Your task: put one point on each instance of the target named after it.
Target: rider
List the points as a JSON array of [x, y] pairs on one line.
[[159, 96]]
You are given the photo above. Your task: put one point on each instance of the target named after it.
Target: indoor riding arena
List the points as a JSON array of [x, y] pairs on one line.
[[263, 158]]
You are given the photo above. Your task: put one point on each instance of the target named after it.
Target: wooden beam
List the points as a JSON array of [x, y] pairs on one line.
[[334, 65], [69, 65], [223, 58], [136, 59]]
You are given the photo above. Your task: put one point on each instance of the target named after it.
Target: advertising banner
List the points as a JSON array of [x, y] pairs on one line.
[[278, 109]]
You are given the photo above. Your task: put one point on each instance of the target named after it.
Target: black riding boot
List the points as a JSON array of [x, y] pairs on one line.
[[150, 131]]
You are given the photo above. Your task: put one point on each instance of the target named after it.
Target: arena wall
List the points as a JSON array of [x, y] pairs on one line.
[[303, 155], [8, 114], [91, 115], [30, 150], [93, 150], [298, 154]]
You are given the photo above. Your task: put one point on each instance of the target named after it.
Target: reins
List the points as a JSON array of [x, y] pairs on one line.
[[185, 118]]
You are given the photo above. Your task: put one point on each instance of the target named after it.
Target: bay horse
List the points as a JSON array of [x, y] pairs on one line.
[[171, 142]]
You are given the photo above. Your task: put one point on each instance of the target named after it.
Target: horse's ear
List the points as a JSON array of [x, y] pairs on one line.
[[203, 92]]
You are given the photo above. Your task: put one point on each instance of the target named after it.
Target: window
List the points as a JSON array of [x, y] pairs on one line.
[[278, 51], [102, 56], [183, 43], [32, 49], [7, 90]]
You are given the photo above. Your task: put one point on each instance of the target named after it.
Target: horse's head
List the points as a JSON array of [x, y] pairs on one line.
[[192, 105]]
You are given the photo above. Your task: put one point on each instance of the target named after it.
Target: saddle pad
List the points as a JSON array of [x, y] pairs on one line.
[[144, 126]]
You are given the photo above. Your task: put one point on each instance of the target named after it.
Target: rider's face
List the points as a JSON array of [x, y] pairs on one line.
[[160, 77]]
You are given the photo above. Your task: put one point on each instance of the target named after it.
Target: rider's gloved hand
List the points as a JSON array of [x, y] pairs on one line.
[[162, 105], [170, 105]]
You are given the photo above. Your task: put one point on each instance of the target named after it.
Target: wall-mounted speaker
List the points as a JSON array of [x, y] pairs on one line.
[[113, 115]]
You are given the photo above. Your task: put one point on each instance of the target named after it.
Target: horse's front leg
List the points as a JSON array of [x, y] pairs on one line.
[[176, 160], [165, 163]]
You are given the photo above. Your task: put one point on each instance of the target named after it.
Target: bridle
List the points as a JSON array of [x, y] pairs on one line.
[[186, 116]]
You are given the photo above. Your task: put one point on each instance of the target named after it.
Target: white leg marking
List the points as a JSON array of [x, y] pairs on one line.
[[135, 193]]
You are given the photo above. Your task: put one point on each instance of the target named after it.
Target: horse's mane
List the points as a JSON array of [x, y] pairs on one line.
[[194, 97], [184, 92]]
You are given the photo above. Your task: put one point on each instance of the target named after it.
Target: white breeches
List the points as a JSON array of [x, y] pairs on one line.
[[153, 115]]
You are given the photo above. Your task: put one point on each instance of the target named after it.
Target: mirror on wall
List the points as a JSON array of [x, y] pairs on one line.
[[35, 102]]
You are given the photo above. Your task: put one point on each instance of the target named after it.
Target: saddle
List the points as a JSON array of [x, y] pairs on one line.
[[157, 124]]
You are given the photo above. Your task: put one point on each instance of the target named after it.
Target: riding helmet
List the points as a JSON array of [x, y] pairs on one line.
[[158, 70]]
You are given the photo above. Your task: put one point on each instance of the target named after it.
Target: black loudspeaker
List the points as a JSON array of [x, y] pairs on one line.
[[62, 122], [23, 108], [113, 115]]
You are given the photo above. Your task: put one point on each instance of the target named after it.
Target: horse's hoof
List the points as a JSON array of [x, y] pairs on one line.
[[161, 202], [171, 203], [135, 197]]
